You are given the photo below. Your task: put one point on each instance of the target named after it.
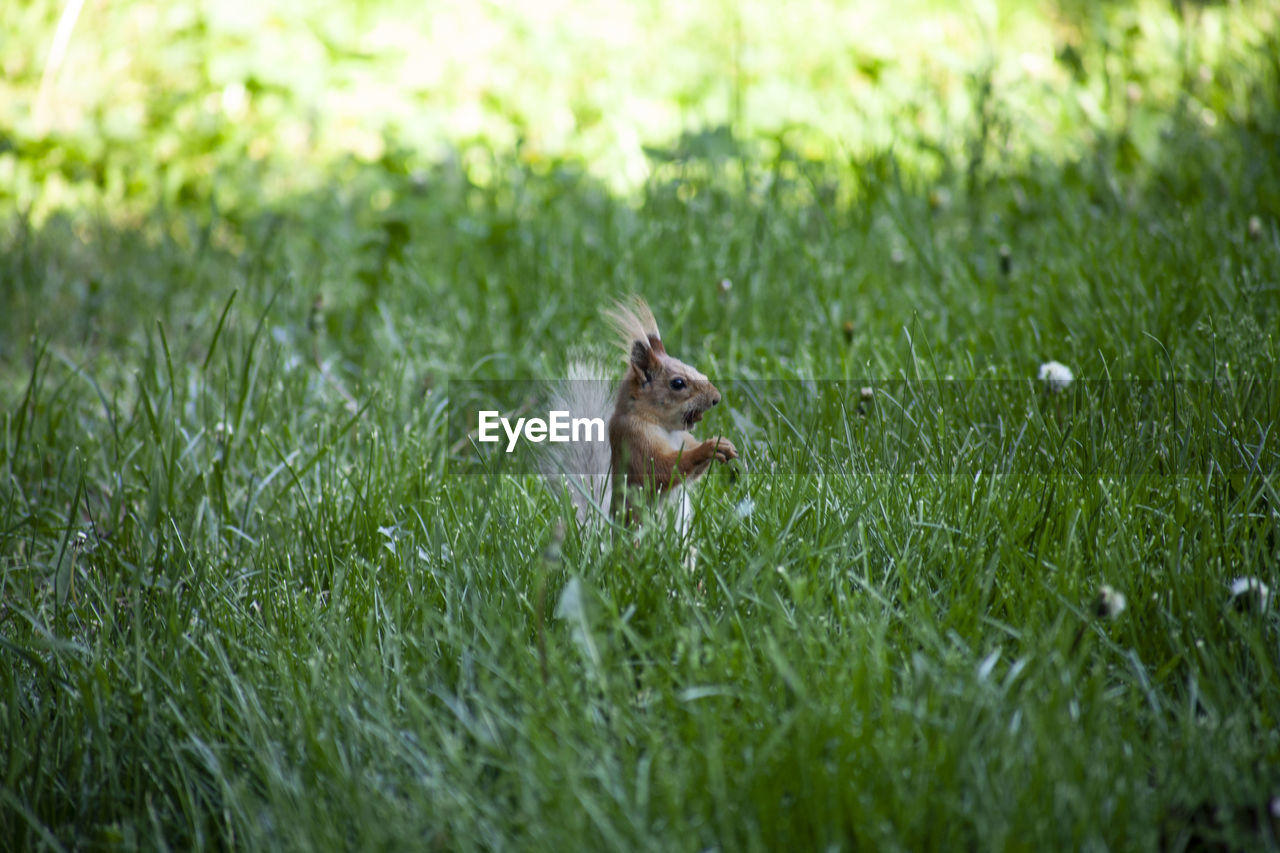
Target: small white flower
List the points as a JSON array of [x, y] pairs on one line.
[[744, 508], [1056, 376], [1110, 602], [725, 286], [1245, 592]]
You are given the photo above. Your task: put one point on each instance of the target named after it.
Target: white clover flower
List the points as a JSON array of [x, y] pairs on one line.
[[1110, 602], [1255, 227], [1245, 592], [1056, 376]]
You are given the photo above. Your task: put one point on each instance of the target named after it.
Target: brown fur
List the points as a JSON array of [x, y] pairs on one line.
[[651, 447]]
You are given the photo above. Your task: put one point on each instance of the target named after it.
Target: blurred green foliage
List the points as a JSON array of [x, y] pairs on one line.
[[245, 102]]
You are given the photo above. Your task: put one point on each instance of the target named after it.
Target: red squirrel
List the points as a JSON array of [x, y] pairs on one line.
[[653, 457], [652, 453]]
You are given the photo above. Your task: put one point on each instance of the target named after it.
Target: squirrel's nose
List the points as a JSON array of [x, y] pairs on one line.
[[715, 401]]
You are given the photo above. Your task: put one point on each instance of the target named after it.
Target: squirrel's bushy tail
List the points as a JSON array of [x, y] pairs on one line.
[[582, 466]]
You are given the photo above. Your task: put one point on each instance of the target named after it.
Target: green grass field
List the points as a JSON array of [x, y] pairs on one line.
[[254, 594]]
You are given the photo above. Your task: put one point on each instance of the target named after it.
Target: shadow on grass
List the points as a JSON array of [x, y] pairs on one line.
[[1087, 255]]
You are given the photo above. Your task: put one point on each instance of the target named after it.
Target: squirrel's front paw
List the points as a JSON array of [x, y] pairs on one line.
[[724, 449]]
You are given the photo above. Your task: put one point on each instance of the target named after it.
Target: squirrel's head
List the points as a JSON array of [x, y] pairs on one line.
[[662, 389]]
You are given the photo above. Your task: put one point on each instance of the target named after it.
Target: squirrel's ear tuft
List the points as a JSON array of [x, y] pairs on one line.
[[633, 321], [655, 343]]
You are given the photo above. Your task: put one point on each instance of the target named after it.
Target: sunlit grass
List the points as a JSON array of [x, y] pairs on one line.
[[192, 100]]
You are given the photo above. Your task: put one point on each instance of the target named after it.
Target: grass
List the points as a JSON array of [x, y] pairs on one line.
[[250, 597]]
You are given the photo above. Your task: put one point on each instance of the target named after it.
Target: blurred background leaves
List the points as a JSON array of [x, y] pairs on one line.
[[251, 101]]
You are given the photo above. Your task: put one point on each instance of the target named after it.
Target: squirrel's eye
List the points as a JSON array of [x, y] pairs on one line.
[[678, 384]]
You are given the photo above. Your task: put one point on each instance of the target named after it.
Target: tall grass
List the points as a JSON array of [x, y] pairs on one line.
[[252, 595]]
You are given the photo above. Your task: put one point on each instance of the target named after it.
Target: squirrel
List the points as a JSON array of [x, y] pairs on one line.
[[653, 457]]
